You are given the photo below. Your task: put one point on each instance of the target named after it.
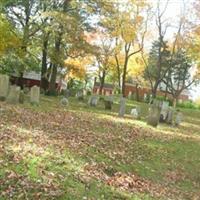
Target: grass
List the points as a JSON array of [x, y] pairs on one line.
[[78, 152]]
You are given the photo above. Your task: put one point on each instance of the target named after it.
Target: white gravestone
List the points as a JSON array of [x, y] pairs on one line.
[[35, 95], [4, 86], [164, 111]]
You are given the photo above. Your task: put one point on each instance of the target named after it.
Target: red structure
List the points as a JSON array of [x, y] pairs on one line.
[[107, 89], [133, 89]]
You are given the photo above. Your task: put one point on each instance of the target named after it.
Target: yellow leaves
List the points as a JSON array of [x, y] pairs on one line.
[[8, 39], [76, 68], [136, 66]]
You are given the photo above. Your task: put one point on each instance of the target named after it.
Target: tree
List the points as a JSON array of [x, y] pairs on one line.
[[103, 59], [9, 39], [158, 65], [128, 26], [181, 75]]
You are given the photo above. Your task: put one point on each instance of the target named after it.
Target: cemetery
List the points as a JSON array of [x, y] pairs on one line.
[[99, 100]]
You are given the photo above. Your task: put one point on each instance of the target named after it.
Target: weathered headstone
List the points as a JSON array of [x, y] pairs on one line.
[[164, 111], [136, 112], [122, 107], [35, 95], [178, 118], [14, 94], [93, 100], [170, 115], [108, 101], [64, 101], [154, 113], [4, 86], [79, 95], [66, 93]]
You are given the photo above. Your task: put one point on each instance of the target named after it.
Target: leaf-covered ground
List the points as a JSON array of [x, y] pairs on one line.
[[77, 152]]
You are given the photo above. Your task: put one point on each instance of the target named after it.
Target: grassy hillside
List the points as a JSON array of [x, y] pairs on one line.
[[77, 152]]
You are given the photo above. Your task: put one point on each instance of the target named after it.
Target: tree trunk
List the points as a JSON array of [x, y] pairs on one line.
[[52, 84], [44, 80], [124, 78], [102, 81], [175, 100], [154, 90], [137, 92], [20, 80]]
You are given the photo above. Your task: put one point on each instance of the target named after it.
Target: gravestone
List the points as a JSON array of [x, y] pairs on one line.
[[108, 101], [35, 95], [164, 111], [64, 101], [66, 93], [154, 113], [93, 100], [170, 115], [136, 112], [14, 94], [178, 118], [4, 86], [80, 96], [122, 107]]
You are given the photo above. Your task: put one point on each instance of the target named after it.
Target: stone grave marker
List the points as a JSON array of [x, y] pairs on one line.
[[14, 94], [170, 115], [154, 113], [108, 101], [178, 118], [122, 107], [35, 95], [93, 100], [164, 111], [64, 101], [79, 95], [136, 112], [4, 86]]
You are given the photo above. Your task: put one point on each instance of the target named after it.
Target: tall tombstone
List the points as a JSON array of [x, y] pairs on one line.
[[93, 100], [170, 115], [108, 101], [122, 107], [154, 113], [14, 94], [136, 112], [35, 95], [164, 111], [4, 86], [79, 95], [178, 118]]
